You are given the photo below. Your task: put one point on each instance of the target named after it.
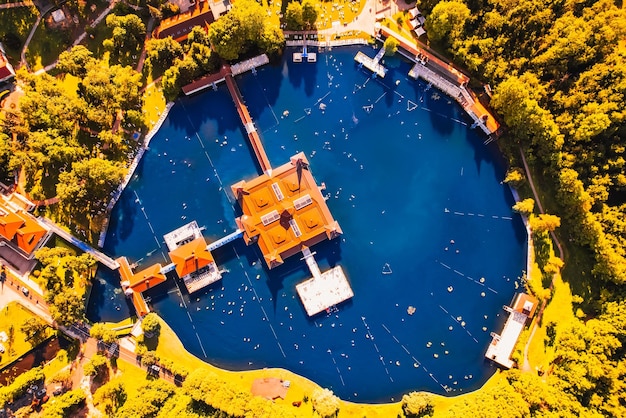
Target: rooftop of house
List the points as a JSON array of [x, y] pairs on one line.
[[191, 257]]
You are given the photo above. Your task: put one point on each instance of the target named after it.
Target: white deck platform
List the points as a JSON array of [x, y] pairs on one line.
[[371, 64], [202, 278], [502, 345], [182, 235], [328, 289]]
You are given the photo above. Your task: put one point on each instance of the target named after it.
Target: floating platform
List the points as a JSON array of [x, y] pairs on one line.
[[502, 346], [300, 56], [183, 235], [371, 64], [328, 289]]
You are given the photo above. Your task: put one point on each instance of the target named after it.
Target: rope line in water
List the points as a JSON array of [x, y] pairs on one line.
[[256, 297], [415, 361]]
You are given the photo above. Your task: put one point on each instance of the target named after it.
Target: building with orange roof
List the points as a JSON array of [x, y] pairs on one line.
[[6, 70], [134, 284], [203, 14], [9, 224], [29, 235], [284, 211], [20, 229], [195, 265]]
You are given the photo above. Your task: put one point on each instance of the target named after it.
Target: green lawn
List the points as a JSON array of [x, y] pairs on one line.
[[46, 46], [14, 315], [14, 27]]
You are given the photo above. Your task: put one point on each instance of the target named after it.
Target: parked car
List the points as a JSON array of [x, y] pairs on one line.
[[41, 393]]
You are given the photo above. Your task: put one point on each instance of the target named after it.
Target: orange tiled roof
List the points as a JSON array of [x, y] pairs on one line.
[[6, 70], [21, 228], [133, 284], [141, 307], [179, 26], [191, 257], [9, 224], [284, 210], [147, 278], [29, 235]]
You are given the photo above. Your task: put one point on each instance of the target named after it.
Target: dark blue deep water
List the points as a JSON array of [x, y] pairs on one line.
[[412, 186]]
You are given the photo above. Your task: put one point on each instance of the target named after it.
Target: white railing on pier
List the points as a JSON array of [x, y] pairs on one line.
[[458, 93], [225, 240]]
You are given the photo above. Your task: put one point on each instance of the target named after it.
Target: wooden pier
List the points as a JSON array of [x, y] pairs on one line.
[[246, 119], [447, 78]]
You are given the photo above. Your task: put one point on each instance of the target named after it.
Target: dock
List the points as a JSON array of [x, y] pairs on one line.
[[98, 255], [305, 54], [246, 119], [212, 80], [249, 65], [446, 78], [323, 290], [372, 64], [502, 345]]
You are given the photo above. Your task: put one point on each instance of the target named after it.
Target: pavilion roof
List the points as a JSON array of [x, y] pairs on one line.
[[147, 278], [283, 209], [191, 257]]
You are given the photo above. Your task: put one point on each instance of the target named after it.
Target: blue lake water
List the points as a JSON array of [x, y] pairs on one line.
[[412, 186]]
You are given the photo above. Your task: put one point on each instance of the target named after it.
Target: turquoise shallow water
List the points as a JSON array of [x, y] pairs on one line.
[[412, 186]]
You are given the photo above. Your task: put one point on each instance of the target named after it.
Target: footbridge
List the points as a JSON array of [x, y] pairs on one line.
[[101, 257], [311, 263], [246, 119], [225, 240]]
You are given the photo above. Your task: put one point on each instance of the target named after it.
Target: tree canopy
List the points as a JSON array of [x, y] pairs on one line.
[[243, 28]]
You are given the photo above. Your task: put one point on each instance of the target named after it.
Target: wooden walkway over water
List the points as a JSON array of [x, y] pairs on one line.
[[246, 119]]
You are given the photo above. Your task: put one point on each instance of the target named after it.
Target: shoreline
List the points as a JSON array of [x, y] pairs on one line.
[[132, 168], [131, 171]]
